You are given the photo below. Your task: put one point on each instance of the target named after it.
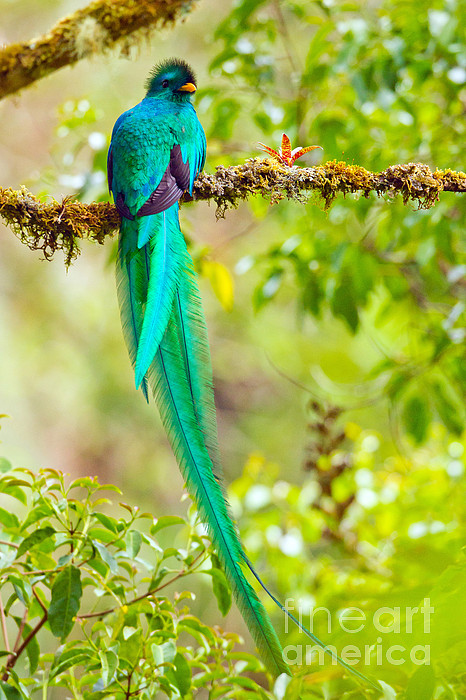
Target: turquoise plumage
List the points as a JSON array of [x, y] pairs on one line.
[[156, 151]]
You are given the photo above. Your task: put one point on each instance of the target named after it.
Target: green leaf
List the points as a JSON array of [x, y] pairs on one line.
[[416, 418], [166, 521], [32, 649], [109, 487], [10, 487], [133, 541], [22, 588], [101, 534], [107, 522], [421, 685], [131, 647], [5, 465], [69, 658], [196, 628], [220, 586], [180, 675], [449, 406], [9, 692], [34, 539], [66, 596], [99, 566], [8, 519], [243, 682], [168, 651], [84, 482], [108, 558], [43, 510], [343, 303], [109, 661]]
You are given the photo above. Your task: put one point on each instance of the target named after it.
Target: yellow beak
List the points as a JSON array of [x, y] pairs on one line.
[[187, 87]]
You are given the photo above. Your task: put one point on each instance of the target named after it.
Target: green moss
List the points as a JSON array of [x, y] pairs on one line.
[[91, 30], [59, 226], [56, 226]]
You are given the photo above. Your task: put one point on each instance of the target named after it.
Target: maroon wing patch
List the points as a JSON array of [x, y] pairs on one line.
[[174, 182]]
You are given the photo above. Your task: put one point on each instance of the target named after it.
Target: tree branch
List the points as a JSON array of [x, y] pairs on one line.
[[94, 29], [14, 656], [4, 630], [59, 226]]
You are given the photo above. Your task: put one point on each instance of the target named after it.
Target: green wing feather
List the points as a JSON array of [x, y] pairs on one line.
[[191, 330]]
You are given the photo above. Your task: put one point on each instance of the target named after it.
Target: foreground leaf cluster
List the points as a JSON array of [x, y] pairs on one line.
[[84, 599]]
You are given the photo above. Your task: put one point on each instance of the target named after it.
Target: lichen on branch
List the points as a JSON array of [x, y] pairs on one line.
[[91, 30], [56, 225], [414, 181]]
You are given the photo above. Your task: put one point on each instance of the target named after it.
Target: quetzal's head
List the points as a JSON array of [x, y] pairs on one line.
[[172, 80]]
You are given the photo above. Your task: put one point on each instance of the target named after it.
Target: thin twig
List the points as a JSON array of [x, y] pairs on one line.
[[4, 630], [296, 68], [152, 592], [20, 630], [128, 691], [39, 600], [12, 659], [286, 39]]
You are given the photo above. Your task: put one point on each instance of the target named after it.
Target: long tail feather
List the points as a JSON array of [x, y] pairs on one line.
[[180, 377], [311, 635], [166, 268], [191, 329], [172, 392]]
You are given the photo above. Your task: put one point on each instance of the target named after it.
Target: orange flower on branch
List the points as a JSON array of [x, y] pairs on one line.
[[285, 155]]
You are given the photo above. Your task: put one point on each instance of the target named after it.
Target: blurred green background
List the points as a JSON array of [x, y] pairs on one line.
[[360, 307]]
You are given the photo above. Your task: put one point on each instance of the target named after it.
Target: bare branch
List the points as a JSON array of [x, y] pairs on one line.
[[59, 226], [92, 30], [4, 630], [20, 630]]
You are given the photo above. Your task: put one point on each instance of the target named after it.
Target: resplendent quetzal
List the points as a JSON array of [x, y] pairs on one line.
[[157, 149]]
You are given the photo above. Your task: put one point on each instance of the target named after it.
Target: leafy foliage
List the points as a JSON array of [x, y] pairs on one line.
[[368, 537], [97, 582], [375, 519], [351, 79]]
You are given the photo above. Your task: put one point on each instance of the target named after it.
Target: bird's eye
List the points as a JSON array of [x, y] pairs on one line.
[[165, 84]]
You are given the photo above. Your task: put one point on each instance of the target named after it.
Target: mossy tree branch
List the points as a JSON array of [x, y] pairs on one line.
[[59, 226], [92, 30]]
